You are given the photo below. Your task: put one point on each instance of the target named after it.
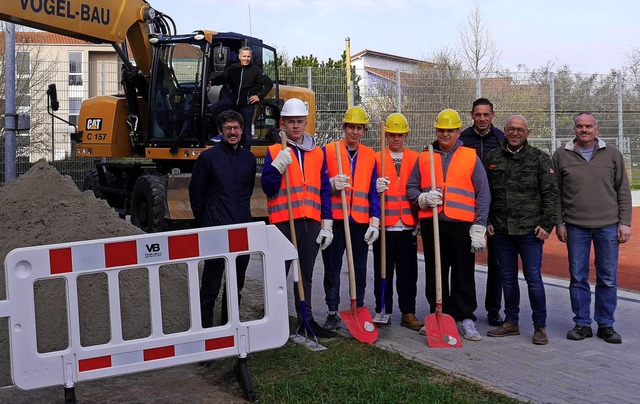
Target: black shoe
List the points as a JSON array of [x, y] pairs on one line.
[[608, 334], [332, 323], [494, 318], [580, 332]]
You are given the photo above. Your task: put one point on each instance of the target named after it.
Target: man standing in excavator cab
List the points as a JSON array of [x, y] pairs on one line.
[[248, 86]]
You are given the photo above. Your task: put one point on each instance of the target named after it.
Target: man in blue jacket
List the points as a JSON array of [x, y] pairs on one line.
[[484, 137], [220, 192]]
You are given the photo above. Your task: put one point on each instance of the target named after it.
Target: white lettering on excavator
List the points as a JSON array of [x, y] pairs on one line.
[[67, 9]]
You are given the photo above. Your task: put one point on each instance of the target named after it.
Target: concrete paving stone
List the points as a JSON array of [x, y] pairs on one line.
[[563, 371]]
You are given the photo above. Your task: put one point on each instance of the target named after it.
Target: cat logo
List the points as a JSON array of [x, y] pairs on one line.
[[94, 123]]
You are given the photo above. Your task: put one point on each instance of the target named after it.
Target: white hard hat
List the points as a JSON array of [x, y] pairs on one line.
[[294, 107]]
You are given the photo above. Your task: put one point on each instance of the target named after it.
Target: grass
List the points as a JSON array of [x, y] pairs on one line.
[[352, 372]]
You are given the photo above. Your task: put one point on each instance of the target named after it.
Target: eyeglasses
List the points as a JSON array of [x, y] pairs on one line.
[[519, 131], [230, 128]]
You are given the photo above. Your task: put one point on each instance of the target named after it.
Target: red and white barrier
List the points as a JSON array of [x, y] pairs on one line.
[[24, 266]]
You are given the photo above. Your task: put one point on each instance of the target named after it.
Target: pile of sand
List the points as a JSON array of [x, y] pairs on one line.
[[43, 207]]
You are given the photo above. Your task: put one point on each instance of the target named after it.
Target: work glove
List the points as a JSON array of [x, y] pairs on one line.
[[339, 182], [282, 160], [373, 231], [382, 184], [325, 237], [430, 199], [478, 242]]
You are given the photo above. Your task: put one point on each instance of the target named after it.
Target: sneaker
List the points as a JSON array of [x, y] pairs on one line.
[[507, 328], [580, 332], [494, 318], [332, 321], [469, 330], [608, 334], [540, 336], [423, 331], [410, 321]]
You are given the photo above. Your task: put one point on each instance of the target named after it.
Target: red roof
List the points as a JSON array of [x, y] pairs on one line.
[[45, 38]]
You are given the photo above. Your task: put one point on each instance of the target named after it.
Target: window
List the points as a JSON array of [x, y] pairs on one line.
[[75, 68], [74, 110], [23, 79]]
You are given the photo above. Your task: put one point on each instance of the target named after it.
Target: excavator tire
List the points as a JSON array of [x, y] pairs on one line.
[[92, 183], [148, 204]]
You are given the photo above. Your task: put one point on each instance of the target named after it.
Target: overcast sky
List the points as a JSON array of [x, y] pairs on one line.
[[590, 36]]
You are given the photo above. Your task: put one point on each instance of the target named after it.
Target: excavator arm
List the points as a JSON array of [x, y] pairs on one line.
[[97, 21]]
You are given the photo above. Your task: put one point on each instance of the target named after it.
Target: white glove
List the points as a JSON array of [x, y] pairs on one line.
[[382, 184], [325, 237], [478, 242], [339, 182], [416, 231], [373, 231], [282, 160], [430, 199]]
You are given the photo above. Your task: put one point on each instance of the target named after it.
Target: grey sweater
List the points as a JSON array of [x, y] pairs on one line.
[[594, 193]]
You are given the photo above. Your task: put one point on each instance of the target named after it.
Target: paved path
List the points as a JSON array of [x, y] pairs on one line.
[[564, 371]]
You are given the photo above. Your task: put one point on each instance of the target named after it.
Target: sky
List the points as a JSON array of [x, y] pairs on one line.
[[588, 36]]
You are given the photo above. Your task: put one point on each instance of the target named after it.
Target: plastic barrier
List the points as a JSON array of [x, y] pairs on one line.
[[24, 266]]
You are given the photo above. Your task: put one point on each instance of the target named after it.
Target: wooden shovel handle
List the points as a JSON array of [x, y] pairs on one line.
[[347, 231], [436, 231], [292, 227], [383, 237]]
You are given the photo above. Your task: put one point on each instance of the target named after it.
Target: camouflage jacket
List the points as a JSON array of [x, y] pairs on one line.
[[524, 190]]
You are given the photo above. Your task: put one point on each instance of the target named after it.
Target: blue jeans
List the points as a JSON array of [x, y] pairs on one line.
[[529, 248], [605, 246]]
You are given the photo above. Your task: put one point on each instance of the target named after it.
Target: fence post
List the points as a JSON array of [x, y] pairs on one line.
[[10, 117], [398, 92], [621, 144], [552, 110], [478, 85], [309, 78]]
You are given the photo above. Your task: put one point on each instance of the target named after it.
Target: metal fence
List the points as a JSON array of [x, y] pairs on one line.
[[548, 101]]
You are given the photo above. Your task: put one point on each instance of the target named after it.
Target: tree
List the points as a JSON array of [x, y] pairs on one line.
[[479, 51]]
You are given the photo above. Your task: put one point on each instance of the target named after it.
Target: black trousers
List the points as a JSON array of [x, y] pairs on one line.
[[493, 296], [210, 287], [306, 233], [401, 261], [458, 268]]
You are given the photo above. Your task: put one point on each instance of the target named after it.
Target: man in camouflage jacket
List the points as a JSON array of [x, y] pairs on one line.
[[524, 198]]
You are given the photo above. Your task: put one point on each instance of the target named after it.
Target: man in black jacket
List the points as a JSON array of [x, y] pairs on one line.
[[484, 137], [220, 193], [248, 85]]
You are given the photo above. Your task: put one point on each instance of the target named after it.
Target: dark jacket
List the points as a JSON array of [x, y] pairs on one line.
[[221, 186], [244, 81], [483, 144], [524, 190]]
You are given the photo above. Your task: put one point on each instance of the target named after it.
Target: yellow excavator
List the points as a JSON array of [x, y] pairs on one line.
[[154, 131]]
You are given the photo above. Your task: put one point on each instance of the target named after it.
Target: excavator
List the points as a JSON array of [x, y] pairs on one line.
[[146, 140]]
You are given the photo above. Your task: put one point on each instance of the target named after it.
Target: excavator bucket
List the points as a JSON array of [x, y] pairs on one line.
[[178, 205]]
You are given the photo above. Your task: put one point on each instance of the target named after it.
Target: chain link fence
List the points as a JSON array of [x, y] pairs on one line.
[[548, 101]]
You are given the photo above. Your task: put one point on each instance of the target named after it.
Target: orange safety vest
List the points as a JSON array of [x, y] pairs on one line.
[[304, 187], [358, 193], [397, 206], [458, 194]]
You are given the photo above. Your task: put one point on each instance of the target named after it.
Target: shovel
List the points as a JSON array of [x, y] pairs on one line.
[[382, 318], [357, 320], [441, 328], [312, 345]]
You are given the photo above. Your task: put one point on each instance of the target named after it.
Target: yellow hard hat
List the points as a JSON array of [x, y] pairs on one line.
[[356, 115], [448, 119], [396, 123]]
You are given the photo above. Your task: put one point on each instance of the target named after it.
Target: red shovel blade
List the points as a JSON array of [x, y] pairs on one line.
[[442, 331], [360, 324]]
